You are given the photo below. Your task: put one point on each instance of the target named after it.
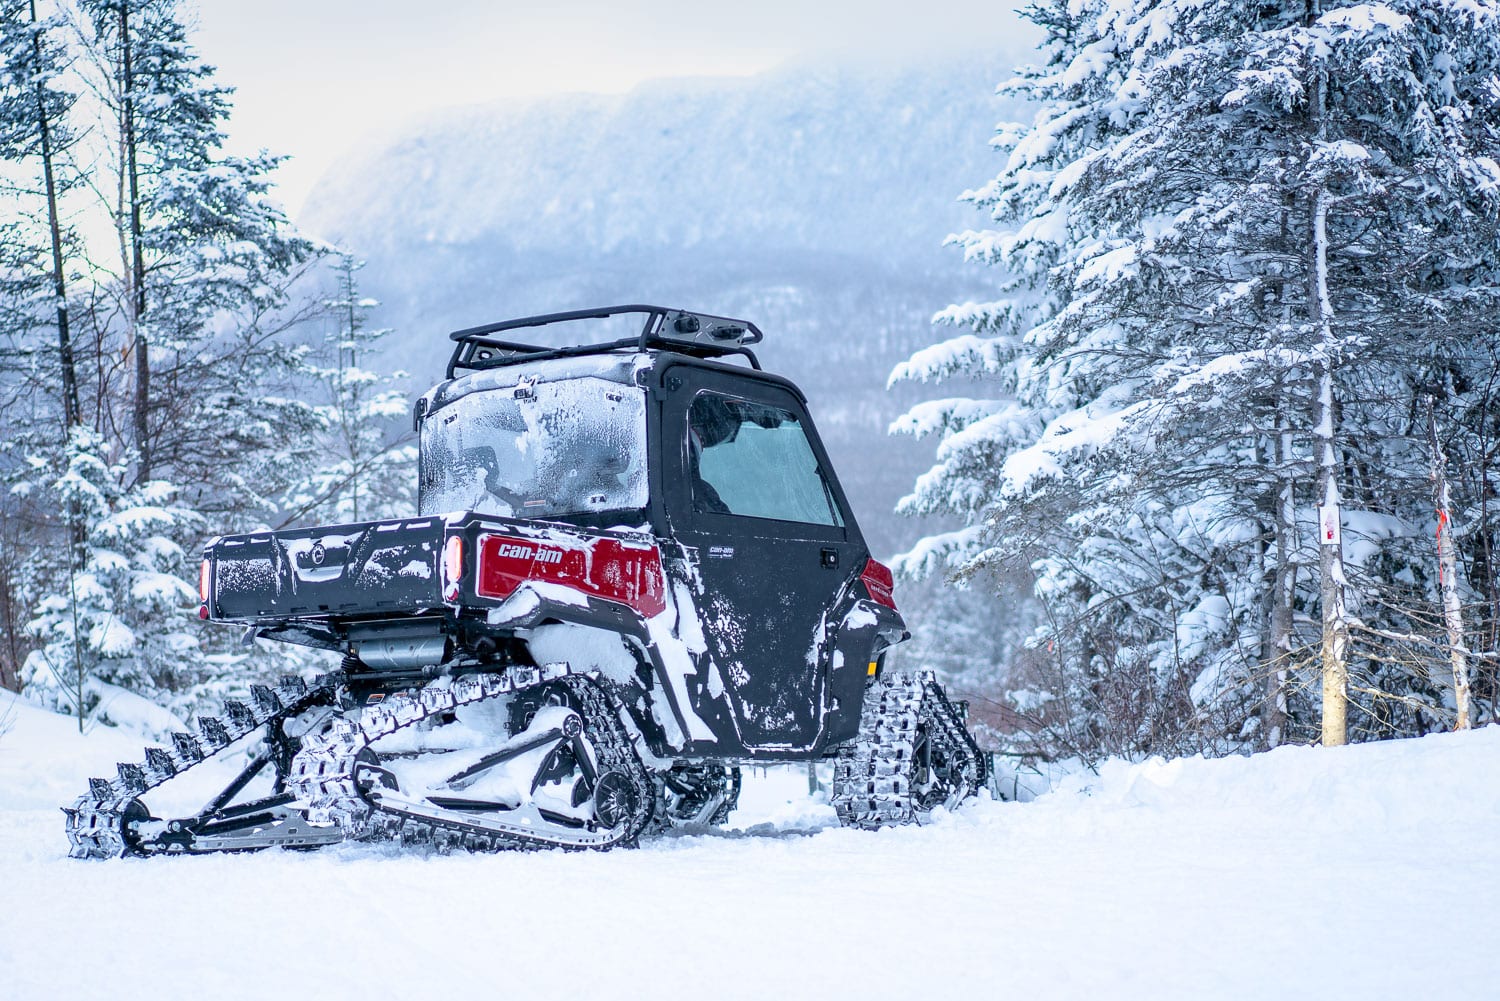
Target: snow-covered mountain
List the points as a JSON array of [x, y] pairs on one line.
[[813, 200]]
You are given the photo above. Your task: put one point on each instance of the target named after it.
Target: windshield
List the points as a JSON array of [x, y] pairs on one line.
[[537, 451]]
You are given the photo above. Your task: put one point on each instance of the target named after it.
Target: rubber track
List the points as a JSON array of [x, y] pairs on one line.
[[976, 767], [323, 774], [872, 775], [96, 821]]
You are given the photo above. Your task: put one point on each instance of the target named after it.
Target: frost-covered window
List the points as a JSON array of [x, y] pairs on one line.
[[751, 459], [537, 451]]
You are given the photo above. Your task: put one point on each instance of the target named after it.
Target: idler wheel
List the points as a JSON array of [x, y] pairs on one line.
[[134, 813], [615, 799]]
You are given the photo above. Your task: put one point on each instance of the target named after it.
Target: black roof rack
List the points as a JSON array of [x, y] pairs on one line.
[[680, 330]]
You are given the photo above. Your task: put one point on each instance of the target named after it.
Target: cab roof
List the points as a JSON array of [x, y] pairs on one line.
[[681, 331], [483, 362]]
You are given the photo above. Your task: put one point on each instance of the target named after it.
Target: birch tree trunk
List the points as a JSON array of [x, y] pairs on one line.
[[1453, 618], [1332, 581], [1331, 568], [1331, 577]]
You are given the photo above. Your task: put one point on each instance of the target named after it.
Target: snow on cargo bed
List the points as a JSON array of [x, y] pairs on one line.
[[1299, 873]]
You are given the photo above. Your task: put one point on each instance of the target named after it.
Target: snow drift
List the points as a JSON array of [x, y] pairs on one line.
[[1237, 877]]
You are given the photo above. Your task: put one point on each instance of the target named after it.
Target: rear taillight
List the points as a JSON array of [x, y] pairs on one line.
[[880, 583], [453, 567], [204, 576]]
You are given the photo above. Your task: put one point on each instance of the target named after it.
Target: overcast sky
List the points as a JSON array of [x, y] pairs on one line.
[[313, 76]]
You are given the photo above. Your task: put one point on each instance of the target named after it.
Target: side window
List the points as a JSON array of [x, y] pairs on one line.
[[755, 460]]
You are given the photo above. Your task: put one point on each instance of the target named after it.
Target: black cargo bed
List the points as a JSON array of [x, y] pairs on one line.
[[327, 572]]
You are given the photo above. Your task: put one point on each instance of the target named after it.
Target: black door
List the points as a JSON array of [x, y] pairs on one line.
[[751, 496]]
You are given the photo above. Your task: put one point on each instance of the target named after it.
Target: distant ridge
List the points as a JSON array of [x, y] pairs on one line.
[[809, 156]]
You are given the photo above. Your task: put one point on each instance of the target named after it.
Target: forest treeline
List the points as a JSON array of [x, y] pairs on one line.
[[1228, 427]]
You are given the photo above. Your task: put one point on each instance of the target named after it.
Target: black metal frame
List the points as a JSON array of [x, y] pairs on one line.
[[700, 335]]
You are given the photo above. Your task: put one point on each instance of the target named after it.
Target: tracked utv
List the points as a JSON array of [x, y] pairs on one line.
[[633, 571]]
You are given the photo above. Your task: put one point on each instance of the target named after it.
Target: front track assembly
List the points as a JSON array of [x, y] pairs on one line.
[[913, 754]]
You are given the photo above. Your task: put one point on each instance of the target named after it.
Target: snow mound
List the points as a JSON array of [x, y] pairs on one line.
[[45, 762], [1399, 782]]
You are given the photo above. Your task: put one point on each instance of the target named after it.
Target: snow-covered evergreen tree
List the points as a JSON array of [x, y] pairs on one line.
[[125, 620], [366, 469], [34, 136], [1220, 234], [203, 293], [38, 374]]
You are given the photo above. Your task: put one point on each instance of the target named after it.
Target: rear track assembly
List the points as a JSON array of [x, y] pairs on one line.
[[332, 774], [325, 792], [109, 820]]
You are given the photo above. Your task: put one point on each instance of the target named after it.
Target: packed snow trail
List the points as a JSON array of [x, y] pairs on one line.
[[1203, 879]]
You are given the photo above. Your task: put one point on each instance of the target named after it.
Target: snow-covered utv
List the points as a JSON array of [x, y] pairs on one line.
[[633, 570]]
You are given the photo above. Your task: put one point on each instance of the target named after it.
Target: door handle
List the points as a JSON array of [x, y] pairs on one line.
[[829, 558]]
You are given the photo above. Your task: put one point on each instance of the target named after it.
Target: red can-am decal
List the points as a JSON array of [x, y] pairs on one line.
[[601, 568], [878, 580]]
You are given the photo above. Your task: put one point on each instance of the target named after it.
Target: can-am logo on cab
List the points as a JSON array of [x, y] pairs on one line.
[[527, 552]]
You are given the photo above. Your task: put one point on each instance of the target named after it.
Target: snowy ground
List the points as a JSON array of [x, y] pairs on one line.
[[1362, 872]]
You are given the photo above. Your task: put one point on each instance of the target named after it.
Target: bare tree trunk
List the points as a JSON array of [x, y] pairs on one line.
[[72, 412], [142, 400], [1274, 712], [71, 415], [1453, 617], [1284, 583]]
